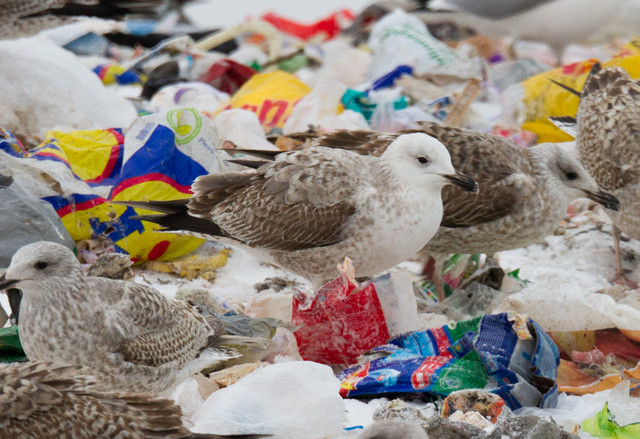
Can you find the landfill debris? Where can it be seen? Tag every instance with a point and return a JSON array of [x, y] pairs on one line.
[[65, 95], [4, 317], [486, 404], [393, 428], [460, 356], [328, 27], [271, 96], [112, 266], [471, 417], [343, 319], [117, 115], [204, 98], [233, 374], [543, 99], [432, 423], [25, 218], [193, 266], [593, 361], [257, 403], [604, 425], [275, 305], [91, 167], [529, 427], [227, 75], [89, 250], [522, 426], [10, 347]]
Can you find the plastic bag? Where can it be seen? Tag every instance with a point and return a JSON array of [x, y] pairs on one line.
[[203, 97], [271, 96], [402, 39], [328, 27], [339, 323], [78, 172], [323, 101], [343, 320], [227, 75], [507, 353]]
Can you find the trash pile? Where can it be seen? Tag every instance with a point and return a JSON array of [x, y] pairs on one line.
[[530, 342]]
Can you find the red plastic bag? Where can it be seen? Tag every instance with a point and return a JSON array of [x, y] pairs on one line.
[[227, 75], [339, 323], [331, 26]]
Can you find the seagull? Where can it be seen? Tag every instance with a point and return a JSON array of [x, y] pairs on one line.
[[556, 22], [23, 18], [608, 139], [52, 400], [131, 336], [525, 191], [307, 210]]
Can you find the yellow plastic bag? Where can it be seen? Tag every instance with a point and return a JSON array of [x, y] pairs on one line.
[[271, 96], [82, 170]]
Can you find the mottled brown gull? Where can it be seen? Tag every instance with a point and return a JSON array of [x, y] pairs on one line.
[[608, 138], [130, 335], [27, 17], [49, 401], [524, 192], [307, 210]]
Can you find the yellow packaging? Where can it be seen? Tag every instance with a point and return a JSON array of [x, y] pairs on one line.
[[271, 96], [543, 99]]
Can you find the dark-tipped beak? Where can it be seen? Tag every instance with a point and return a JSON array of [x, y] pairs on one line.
[[464, 181], [604, 198], [5, 283]]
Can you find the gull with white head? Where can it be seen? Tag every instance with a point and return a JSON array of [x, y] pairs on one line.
[[525, 191], [308, 210]]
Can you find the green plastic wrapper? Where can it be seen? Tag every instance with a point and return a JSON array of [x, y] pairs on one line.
[[10, 347], [604, 426]]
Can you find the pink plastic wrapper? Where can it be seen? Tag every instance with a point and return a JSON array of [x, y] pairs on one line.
[[339, 323]]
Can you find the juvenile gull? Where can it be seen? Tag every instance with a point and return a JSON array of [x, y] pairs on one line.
[[49, 401], [130, 335], [608, 138], [22, 18], [556, 22], [309, 209], [524, 192]]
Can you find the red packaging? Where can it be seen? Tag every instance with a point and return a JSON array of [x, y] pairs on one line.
[[227, 75], [339, 323]]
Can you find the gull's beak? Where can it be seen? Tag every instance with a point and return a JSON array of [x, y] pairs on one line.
[[604, 198], [5, 283], [464, 181]]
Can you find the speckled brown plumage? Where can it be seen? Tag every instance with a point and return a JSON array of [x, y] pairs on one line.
[[609, 130], [132, 337], [306, 210], [20, 18], [523, 194], [608, 127], [48, 400]]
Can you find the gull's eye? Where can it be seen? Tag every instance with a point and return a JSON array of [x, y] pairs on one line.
[[571, 175], [423, 160], [40, 265]]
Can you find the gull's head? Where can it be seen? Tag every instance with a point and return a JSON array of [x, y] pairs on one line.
[[37, 262], [419, 159], [569, 176]]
